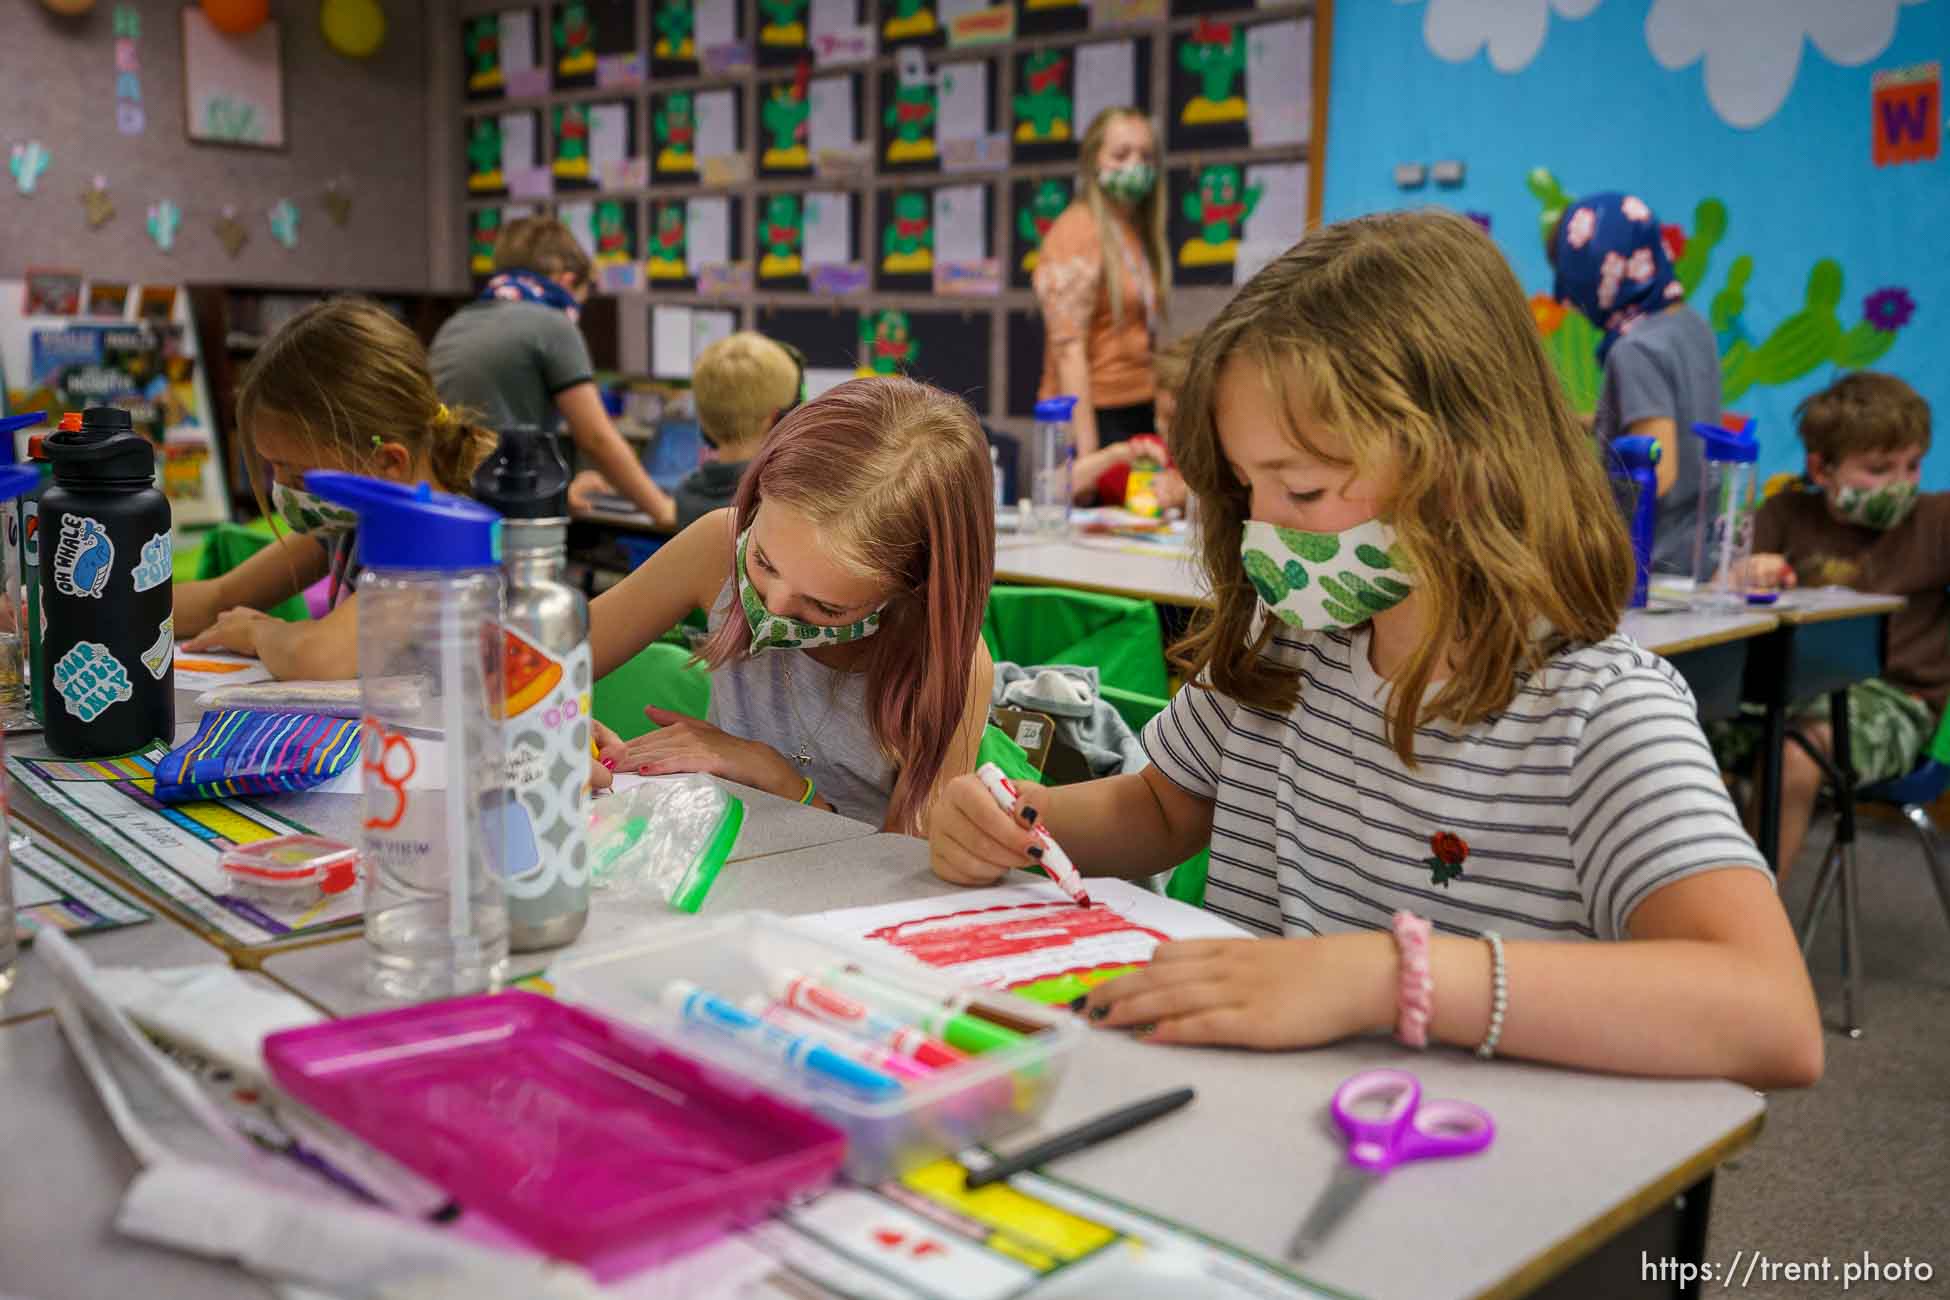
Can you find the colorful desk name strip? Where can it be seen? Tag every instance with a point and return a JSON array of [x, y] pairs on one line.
[[51, 888], [244, 752]]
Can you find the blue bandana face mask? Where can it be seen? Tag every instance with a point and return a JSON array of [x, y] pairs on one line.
[[526, 286]]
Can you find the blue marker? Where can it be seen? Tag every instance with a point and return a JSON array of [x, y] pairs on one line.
[[800, 1053]]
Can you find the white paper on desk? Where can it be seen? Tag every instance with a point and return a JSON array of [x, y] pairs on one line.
[[715, 23], [609, 135], [201, 670], [707, 232], [708, 325], [830, 113], [960, 223], [717, 125], [670, 342], [1277, 222], [1279, 82], [221, 1013], [1106, 77], [579, 215], [517, 40], [1038, 933], [828, 222], [962, 110], [517, 142]]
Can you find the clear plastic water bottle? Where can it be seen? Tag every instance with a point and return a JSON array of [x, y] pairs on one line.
[[1055, 456], [430, 613], [995, 475], [1723, 537], [14, 480]]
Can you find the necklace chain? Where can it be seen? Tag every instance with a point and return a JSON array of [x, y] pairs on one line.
[[803, 755]]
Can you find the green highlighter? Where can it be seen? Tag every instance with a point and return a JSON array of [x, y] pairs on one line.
[[947, 1021]]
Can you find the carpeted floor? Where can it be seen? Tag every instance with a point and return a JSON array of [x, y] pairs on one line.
[[1860, 1162]]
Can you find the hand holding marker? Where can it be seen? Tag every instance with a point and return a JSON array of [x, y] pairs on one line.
[[1054, 859]]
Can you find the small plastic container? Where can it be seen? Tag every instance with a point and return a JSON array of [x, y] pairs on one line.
[[577, 1134], [736, 958], [291, 870]]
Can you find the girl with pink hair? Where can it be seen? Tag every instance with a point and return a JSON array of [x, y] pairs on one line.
[[845, 587]]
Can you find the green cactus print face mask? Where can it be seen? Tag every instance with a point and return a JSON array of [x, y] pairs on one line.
[[1314, 581], [770, 632], [1880, 508]]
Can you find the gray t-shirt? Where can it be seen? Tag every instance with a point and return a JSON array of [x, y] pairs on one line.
[[1666, 367], [711, 486], [508, 360]]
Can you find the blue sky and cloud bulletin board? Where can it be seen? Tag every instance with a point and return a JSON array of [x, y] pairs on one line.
[[1791, 146]]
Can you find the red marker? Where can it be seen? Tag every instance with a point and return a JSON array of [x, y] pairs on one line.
[[802, 994], [1054, 860], [905, 1068]]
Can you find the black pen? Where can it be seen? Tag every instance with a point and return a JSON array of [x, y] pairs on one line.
[[1083, 1135]]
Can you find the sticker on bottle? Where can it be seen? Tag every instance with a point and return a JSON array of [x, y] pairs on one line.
[[30, 527], [91, 680], [83, 558], [157, 657], [153, 569], [545, 735]]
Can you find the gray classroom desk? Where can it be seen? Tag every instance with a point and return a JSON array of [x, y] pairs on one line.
[[1105, 564], [1709, 650]]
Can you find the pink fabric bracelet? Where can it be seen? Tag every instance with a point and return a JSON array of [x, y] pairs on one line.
[[1415, 1003]]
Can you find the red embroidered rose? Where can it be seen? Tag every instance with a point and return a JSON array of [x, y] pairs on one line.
[[1449, 852]]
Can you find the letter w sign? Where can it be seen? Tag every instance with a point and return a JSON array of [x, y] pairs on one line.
[[1907, 104]]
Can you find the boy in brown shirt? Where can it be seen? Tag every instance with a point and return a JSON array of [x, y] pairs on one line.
[[1860, 522]]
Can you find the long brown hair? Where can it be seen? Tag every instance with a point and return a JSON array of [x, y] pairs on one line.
[[895, 475], [347, 373], [1149, 215], [1407, 333]]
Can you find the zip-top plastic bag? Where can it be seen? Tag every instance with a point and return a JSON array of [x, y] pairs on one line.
[[666, 836]]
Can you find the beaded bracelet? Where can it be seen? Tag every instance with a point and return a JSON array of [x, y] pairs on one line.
[[1415, 1003], [1499, 995]]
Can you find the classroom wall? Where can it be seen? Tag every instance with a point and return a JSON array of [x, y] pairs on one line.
[[363, 122], [1575, 86]]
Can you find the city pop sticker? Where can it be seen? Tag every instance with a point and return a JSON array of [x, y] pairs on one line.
[[153, 569], [83, 558]]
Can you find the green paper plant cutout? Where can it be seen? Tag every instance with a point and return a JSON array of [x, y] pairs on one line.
[[1215, 54], [484, 146], [1045, 105], [911, 231], [784, 116], [574, 38], [779, 229], [1220, 205], [888, 341]]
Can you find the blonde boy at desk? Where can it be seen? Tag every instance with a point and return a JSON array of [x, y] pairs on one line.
[[1858, 520]]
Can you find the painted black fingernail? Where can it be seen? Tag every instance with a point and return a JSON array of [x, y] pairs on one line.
[[1036, 852], [1079, 1002], [1098, 1013], [1144, 1031], [1029, 814]]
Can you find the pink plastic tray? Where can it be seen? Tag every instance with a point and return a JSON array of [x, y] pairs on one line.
[[576, 1134]]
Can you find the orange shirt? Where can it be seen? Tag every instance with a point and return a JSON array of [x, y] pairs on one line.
[[1073, 288]]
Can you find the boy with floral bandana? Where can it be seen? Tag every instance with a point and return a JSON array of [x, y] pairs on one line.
[[1859, 521]]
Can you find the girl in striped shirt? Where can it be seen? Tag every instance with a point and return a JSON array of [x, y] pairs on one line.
[[1412, 729]]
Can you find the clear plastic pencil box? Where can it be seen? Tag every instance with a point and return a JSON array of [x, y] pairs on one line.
[[736, 957]]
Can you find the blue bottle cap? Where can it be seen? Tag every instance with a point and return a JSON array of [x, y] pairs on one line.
[[1736, 445], [1051, 409], [403, 527], [1636, 451], [16, 479]]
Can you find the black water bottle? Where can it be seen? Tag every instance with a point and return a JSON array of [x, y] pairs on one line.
[[106, 592]]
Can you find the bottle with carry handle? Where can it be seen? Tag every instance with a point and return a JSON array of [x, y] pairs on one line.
[[1723, 537]]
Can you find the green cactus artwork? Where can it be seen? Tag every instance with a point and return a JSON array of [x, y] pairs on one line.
[[783, 22], [910, 18], [1215, 53], [674, 25], [484, 155], [1792, 349], [907, 245], [575, 41], [784, 119], [612, 234], [1218, 207], [887, 343], [780, 230], [572, 141], [667, 244], [483, 41], [676, 131], [1034, 221], [1043, 109], [911, 118], [483, 233]]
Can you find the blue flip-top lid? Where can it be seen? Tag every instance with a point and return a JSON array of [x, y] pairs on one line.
[[1636, 451], [1055, 408], [16, 479], [403, 527], [1736, 445], [11, 425]]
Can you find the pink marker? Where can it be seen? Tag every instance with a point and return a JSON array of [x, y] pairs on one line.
[[821, 1003], [797, 1022], [1054, 860]]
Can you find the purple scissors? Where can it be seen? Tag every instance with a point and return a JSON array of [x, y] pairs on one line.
[[1387, 1124]]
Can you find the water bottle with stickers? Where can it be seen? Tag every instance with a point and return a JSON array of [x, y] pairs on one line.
[[430, 614], [547, 682], [106, 591]]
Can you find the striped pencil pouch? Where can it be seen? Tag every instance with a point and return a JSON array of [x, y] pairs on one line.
[[245, 752]]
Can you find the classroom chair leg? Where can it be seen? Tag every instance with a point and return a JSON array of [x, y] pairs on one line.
[[1818, 900], [1919, 818], [1851, 946]]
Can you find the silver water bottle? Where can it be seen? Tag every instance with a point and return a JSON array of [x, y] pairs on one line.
[[546, 674]]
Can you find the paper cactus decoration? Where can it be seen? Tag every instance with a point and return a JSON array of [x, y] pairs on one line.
[[29, 160], [165, 219], [1215, 53], [284, 222]]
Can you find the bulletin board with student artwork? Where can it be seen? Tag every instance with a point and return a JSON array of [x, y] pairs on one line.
[[596, 43], [784, 32], [484, 227], [1226, 219], [596, 146], [922, 120], [1237, 85], [697, 136], [1061, 89], [811, 241], [925, 234], [607, 230], [503, 55], [692, 239], [949, 349], [812, 125], [504, 156], [910, 22], [1034, 205], [690, 38]]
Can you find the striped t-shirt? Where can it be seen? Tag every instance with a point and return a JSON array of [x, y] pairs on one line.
[[1591, 790]]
